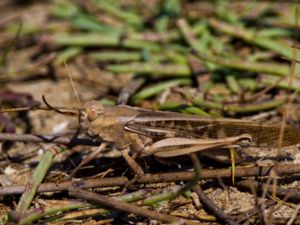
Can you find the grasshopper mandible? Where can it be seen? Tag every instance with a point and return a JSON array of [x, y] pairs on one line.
[[168, 134]]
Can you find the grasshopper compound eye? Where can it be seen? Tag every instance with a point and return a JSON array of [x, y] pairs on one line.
[[92, 114], [93, 109]]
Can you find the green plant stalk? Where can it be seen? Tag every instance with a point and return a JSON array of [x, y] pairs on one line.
[[195, 110], [99, 40], [67, 54], [286, 22], [174, 106], [127, 17], [166, 194], [153, 90], [131, 197], [267, 68], [260, 56], [120, 56], [284, 84], [171, 35], [37, 178], [134, 196], [206, 42], [142, 55], [274, 32], [176, 57], [253, 37], [127, 56], [179, 107], [207, 104], [80, 19], [65, 9], [232, 84], [37, 214], [153, 69], [249, 108], [178, 48], [191, 39], [85, 22], [250, 84], [189, 35], [164, 37], [161, 24]]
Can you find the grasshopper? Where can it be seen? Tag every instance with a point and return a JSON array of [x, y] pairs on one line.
[[139, 132], [168, 134]]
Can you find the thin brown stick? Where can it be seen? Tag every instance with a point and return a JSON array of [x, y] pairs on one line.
[[254, 211], [89, 158], [62, 186], [129, 89], [123, 206], [218, 212], [281, 169], [264, 91]]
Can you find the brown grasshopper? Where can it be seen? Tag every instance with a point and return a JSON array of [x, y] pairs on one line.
[[168, 134], [141, 132]]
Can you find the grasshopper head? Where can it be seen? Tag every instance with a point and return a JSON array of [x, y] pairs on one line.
[[92, 110]]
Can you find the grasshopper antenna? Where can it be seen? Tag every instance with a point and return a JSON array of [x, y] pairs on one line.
[[34, 107], [50, 107], [72, 84], [76, 94]]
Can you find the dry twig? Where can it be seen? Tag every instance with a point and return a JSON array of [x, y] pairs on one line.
[[130, 208], [281, 169]]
